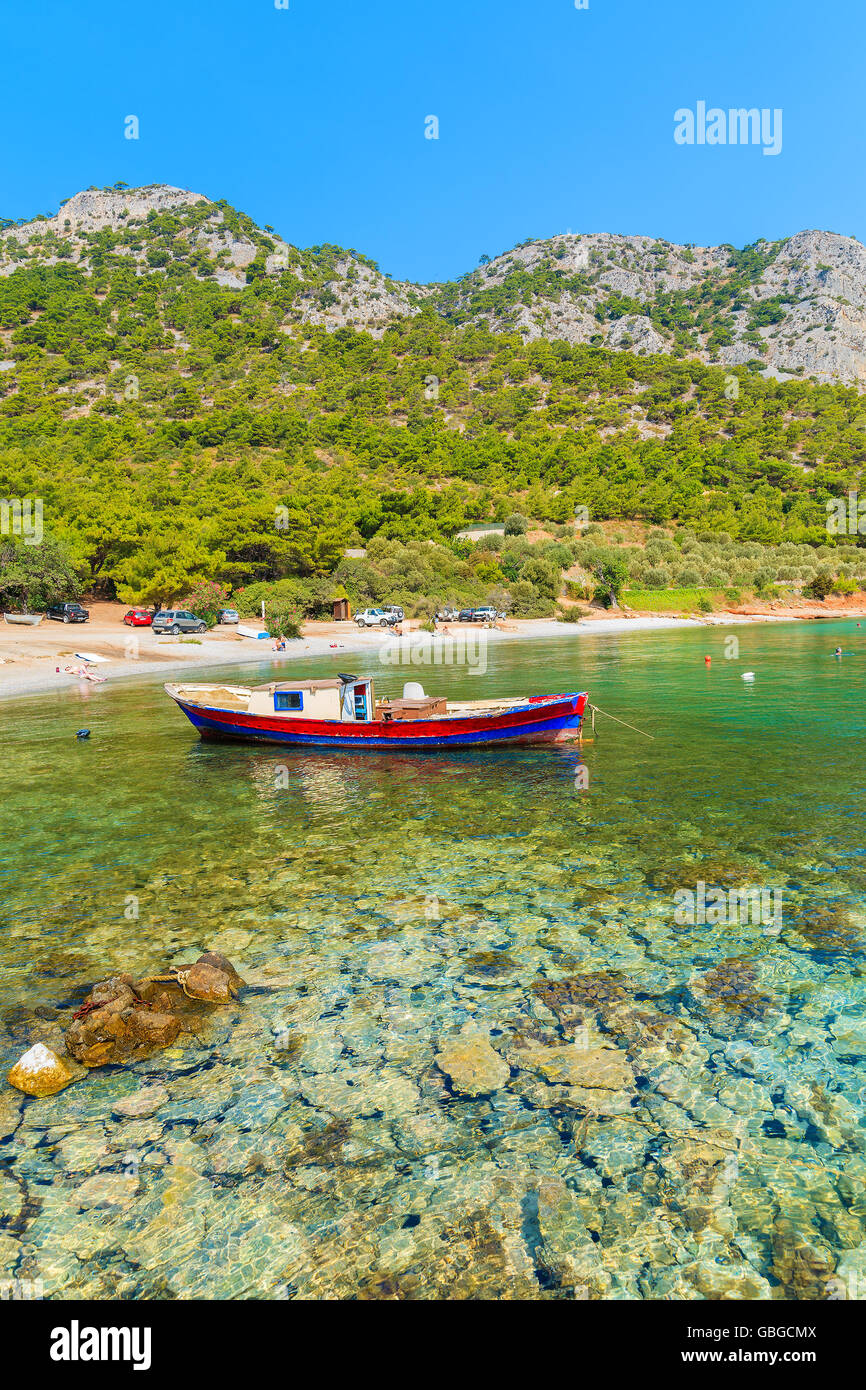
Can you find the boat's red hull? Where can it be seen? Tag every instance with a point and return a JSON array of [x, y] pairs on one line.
[[545, 719]]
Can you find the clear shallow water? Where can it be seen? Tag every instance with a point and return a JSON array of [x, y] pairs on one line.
[[308, 1144]]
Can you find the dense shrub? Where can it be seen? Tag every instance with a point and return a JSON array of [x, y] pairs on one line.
[[689, 578], [658, 578], [821, 585]]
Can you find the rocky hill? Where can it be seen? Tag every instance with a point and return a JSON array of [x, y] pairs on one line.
[[796, 307], [160, 224]]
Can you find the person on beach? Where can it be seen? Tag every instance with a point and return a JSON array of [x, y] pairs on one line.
[[84, 675]]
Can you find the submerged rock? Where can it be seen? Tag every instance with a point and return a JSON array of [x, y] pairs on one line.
[[595, 991], [731, 987], [605, 1067], [801, 1266], [614, 1147], [105, 1190], [723, 1282], [141, 1104], [40, 1072], [472, 1065]]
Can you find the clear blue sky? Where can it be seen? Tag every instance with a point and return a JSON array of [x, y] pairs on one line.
[[551, 118]]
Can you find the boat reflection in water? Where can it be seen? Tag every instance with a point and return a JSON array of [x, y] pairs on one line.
[[324, 778]]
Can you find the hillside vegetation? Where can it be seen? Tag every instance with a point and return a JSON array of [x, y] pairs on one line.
[[180, 427]]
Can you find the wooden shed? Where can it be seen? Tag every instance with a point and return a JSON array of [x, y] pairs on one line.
[[341, 610]]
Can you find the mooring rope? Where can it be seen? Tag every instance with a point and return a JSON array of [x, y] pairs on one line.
[[595, 710]]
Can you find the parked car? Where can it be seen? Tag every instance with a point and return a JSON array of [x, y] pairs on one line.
[[466, 615], [449, 614], [485, 614], [68, 613], [399, 615], [228, 615], [177, 620], [138, 617], [375, 617]]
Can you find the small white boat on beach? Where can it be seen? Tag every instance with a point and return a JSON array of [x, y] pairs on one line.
[[24, 619]]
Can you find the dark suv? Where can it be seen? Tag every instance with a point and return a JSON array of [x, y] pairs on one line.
[[68, 613], [177, 620]]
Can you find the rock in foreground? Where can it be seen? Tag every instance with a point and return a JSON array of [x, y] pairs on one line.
[[40, 1072]]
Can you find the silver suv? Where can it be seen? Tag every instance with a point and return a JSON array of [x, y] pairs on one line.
[[177, 620]]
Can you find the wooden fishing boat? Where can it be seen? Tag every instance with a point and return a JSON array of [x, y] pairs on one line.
[[343, 712], [24, 619]]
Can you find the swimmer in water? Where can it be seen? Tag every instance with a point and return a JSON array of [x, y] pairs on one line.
[[838, 651]]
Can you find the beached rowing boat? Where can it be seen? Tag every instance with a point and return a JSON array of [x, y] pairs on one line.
[[343, 712], [24, 619]]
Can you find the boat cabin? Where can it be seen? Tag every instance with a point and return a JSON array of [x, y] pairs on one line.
[[316, 699]]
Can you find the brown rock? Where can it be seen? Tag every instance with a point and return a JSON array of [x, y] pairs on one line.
[[206, 982], [164, 996], [106, 1035], [222, 963], [152, 1030], [123, 1020], [117, 993]]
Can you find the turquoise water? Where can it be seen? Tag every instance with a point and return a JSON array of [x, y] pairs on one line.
[[308, 1143]]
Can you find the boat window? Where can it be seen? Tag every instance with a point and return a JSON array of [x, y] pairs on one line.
[[360, 702], [288, 699]]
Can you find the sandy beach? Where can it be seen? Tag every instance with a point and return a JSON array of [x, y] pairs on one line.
[[32, 659]]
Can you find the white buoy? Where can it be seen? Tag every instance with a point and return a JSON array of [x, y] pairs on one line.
[[748, 675]]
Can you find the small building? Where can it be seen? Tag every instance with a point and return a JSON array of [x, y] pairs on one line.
[[342, 612]]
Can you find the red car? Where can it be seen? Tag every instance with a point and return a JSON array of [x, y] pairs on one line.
[[138, 617]]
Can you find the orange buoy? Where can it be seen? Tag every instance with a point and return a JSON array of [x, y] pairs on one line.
[[708, 660]]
